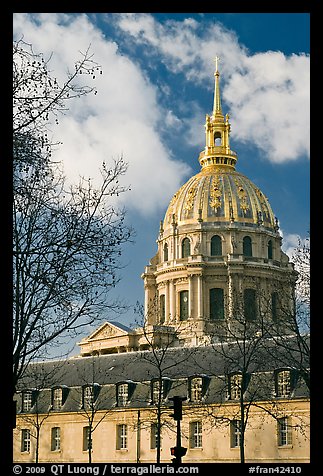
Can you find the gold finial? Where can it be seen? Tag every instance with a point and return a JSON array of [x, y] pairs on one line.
[[217, 110]]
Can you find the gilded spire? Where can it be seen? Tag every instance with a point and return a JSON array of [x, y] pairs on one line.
[[217, 109], [217, 150]]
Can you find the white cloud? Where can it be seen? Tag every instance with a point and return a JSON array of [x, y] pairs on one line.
[[122, 119], [267, 94], [290, 242]]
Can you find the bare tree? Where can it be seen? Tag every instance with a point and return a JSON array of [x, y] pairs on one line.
[[291, 329], [245, 352], [93, 398], [159, 339], [33, 406], [67, 239]]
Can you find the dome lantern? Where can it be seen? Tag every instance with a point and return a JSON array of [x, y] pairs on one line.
[[217, 130]]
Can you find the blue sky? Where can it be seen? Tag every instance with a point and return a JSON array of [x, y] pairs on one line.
[[157, 86]]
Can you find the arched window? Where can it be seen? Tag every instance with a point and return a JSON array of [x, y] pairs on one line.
[[217, 138], [186, 248], [270, 249], [165, 252], [216, 303], [250, 305], [247, 246], [216, 246]]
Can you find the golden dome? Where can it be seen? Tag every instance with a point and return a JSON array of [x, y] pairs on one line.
[[221, 195]]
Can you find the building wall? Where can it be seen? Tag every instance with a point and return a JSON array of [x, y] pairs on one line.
[[261, 441]]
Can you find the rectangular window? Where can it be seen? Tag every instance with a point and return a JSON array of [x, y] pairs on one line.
[[162, 308], [284, 432], [154, 436], [86, 438], [250, 307], [283, 382], [121, 437], [56, 439], [25, 440], [122, 394], [57, 398], [274, 306], [196, 434], [27, 400], [183, 305], [235, 433], [216, 303]]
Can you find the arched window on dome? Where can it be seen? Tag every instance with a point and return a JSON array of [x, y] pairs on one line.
[[186, 248], [247, 246], [270, 249], [216, 246], [165, 252]]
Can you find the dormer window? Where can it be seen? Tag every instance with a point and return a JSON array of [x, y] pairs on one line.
[[234, 386], [197, 386], [283, 383], [59, 395], [28, 400], [159, 390], [237, 385], [124, 393], [57, 398], [90, 395]]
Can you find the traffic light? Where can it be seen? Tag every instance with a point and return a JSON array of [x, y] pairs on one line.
[[177, 407], [178, 451]]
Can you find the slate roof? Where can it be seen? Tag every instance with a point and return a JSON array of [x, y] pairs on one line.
[[178, 365]]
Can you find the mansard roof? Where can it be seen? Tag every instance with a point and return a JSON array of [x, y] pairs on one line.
[[176, 363]]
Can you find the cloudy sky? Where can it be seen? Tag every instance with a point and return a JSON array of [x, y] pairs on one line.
[[157, 86]]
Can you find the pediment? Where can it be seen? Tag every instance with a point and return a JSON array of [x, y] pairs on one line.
[[109, 330]]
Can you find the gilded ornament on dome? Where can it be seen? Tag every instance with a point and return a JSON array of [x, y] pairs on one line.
[[242, 194], [190, 198], [215, 193]]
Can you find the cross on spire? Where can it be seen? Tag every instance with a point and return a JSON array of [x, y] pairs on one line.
[[216, 59]]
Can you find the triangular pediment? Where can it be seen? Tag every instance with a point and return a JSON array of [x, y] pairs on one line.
[[109, 330]]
